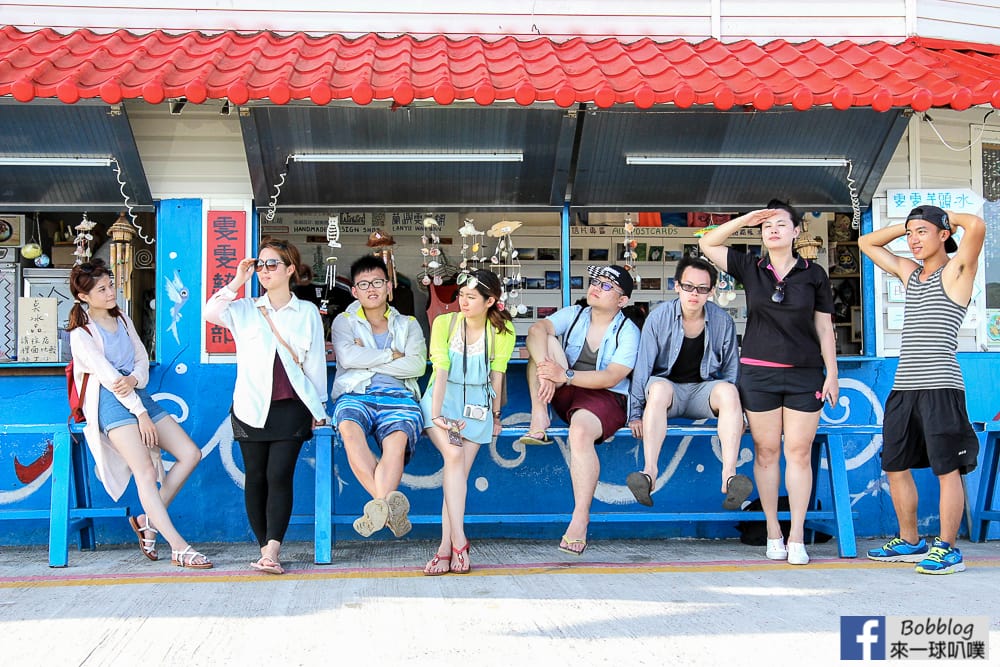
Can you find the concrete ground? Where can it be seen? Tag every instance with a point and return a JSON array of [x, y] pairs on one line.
[[649, 602]]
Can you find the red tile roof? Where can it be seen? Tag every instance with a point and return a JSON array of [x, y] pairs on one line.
[[243, 67]]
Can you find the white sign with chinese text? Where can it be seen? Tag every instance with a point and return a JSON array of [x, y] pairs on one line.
[[37, 329], [899, 203]]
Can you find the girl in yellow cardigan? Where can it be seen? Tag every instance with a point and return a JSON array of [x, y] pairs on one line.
[[469, 351]]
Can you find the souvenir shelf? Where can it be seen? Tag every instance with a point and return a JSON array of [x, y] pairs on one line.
[[845, 279]]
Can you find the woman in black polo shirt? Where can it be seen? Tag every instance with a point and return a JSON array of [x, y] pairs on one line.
[[787, 344]]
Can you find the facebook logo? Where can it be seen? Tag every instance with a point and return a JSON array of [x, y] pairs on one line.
[[862, 637]]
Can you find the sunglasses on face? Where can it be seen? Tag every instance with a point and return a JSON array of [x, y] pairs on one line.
[[779, 292], [605, 287], [378, 283], [700, 289], [269, 264]]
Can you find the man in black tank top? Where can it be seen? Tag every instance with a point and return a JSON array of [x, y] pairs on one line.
[[926, 423]]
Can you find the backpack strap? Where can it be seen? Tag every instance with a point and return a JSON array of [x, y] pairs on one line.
[[573, 324]]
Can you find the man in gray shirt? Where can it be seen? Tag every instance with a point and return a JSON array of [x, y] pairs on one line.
[[687, 365]]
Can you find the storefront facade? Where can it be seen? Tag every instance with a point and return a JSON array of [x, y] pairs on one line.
[[569, 119]]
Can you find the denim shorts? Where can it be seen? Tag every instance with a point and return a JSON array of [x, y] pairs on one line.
[[112, 414]]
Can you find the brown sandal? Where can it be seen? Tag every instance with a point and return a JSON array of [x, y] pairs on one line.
[[147, 545], [190, 558]]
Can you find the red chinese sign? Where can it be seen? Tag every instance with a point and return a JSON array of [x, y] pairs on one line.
[[225, 245]]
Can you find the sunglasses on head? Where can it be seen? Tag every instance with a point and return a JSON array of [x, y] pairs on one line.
[[779, 292], [605, 286], [270, 264], [700, 289], [467, 279], [378, 283]]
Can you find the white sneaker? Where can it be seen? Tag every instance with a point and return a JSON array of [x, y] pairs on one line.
[[797, 554], [776, 549]]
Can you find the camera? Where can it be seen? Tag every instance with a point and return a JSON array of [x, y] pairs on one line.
[[477, 412]]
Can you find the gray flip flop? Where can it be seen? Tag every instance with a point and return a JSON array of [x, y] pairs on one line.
[[738, 489], [641, 486]]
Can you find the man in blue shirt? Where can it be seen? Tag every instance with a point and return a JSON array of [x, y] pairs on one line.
[[687, 365], [584, 375]]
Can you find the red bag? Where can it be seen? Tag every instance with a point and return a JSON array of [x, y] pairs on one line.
[[76, 400]]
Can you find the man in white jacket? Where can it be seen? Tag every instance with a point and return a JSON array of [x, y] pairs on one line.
[[380, 356]]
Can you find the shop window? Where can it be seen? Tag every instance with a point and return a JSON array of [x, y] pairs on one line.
[[663, 238], [35, 264]]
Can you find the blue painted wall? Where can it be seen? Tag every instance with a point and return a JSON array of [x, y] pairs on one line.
[[210, 507]]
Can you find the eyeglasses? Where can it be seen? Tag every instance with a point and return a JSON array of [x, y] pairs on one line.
[[271, 264], [779, 292], [378, 283], [605, 287], [700, 289]]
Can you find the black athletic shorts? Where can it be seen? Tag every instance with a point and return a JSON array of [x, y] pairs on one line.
[[928, 428], [766, 388]]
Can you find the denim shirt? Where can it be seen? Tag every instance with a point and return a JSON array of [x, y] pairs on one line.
[[622, 352], [660, 345]]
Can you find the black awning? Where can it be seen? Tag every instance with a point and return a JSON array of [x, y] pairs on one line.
[[732, 161], [423, 157], [56, 156]]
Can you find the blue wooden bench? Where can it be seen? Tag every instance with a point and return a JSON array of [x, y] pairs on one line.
[[837, 521], [984, 512], [70, 508]]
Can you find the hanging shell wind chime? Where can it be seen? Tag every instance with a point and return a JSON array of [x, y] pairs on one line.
[[629, 253], [505, 263], [472, 246], [333, 242], [83, 239], [432, 266]]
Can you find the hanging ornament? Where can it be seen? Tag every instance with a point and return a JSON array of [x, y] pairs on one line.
[[330, 262], [83, 239], [33, 249], [629, 245], [725, 290], [382, 244], [122, 233], [504, 263], [429, 247]]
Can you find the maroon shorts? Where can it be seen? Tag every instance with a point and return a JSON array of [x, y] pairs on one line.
[[606, 405]]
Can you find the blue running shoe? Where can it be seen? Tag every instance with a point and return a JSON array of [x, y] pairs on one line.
[[898, 550], [943, 559]]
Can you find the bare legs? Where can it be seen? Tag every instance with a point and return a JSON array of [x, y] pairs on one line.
[[659, 398], [457, 464], [540, 409], [904, 501], [379, 477], [799, 431], [584, 469], [725, 404], [171, 438]]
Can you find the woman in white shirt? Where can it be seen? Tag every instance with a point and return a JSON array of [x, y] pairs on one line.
[[126, 428], [280, 386]]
